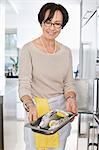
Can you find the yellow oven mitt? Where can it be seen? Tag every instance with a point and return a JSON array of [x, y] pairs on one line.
[[45, 141]]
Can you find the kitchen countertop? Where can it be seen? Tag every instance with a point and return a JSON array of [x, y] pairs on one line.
[[2, 86]]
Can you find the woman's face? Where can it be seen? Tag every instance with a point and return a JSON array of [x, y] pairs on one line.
[[51, 29]]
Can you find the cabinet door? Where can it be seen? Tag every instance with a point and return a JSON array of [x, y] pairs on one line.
[[97, 60], [10, 120], [88, 8], [98, 30], [89, 48]]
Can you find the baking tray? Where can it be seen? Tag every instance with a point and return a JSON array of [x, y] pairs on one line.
[[35, 125]]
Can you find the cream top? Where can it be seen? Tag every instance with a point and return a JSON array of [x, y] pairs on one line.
[[44, 75]]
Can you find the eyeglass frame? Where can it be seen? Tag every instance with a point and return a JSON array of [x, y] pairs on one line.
[[61, 26]]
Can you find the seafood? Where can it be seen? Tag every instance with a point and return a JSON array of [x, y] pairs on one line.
[[53, 119]]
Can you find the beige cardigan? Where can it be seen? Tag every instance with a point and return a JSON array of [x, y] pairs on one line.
[[44, 75]]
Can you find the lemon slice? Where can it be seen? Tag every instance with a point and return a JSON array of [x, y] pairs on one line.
[[52, 123], [61, 114]]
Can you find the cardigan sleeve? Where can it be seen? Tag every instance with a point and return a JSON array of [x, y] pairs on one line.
[[25, 72]]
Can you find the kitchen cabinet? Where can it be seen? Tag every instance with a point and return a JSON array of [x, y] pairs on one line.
[[88, 5], [93, 134], [88, 41], [96, 117], [97, 60], [88, 9], [9, 115], [89, 49], [13, 96]]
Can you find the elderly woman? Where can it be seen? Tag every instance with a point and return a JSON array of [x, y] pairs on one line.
[[45, 72]]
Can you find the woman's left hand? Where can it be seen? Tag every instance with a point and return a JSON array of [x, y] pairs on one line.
[[71, 106]]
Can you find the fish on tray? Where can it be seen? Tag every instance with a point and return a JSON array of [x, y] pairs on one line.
[[51, 122], [53, 119]]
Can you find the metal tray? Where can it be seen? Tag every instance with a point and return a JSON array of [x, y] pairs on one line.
[[47, 131]]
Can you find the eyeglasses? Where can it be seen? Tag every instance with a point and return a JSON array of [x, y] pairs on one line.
[[56, 25]]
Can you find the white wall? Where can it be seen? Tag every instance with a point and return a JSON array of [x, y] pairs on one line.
[[28, 27]]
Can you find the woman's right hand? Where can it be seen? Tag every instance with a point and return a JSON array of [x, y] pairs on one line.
[[32, 116]]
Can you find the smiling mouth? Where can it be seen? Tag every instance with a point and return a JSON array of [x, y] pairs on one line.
[[51, 33]]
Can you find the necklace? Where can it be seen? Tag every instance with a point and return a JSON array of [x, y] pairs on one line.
[[46, 49]]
